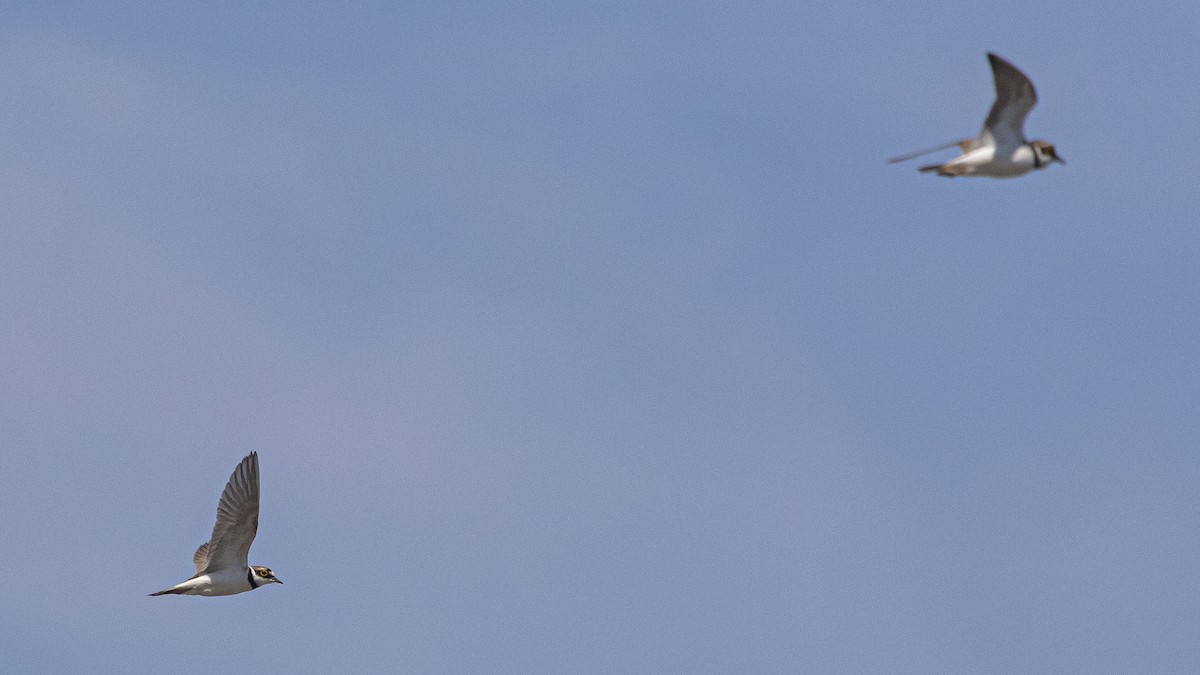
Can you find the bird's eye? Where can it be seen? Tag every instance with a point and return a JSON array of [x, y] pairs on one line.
[[264, 573]]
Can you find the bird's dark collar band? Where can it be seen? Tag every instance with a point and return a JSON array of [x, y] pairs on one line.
[[1037, 161], [250, 578]]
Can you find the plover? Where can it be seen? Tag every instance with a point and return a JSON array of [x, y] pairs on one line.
[[1000, 150], [221, 567]]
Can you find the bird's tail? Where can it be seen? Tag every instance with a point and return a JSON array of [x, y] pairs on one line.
[[170, 591]]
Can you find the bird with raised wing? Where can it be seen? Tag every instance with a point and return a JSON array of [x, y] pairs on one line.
[[221, 562], [1000, 150]]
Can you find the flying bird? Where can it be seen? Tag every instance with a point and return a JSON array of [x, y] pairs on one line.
[[1000, 150], [221, 567]]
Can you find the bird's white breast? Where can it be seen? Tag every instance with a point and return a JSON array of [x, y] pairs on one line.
[[998, 163], [220, 582]]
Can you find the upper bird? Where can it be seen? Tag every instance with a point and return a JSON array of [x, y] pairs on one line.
[[221, 567], [1000, 150]]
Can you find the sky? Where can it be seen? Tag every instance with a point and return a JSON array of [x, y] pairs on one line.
[[598, 339]]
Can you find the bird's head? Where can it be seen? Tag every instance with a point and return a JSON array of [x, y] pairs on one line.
[[1045, 153], [264, 575]]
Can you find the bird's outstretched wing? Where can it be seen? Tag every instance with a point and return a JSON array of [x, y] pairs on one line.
[[237, 519], [1015, 97], [963, 145]]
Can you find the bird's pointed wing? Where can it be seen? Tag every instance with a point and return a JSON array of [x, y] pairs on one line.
[[1015, 97], [201, 557], [963, 145], [237, 518]]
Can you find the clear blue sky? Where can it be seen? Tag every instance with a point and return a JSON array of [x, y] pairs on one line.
[[599, 340]]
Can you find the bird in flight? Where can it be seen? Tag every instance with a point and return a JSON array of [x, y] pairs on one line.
[[221, 567], [1000, 150]]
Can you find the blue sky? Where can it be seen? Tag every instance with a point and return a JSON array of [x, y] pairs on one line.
[[598, 339]]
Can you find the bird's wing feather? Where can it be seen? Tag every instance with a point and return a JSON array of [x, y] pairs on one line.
[[237, 518], [962, 144], [201, 557], [1015, 97]]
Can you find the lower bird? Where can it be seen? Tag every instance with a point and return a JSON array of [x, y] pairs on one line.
[[1000, 150], [221, 563]]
